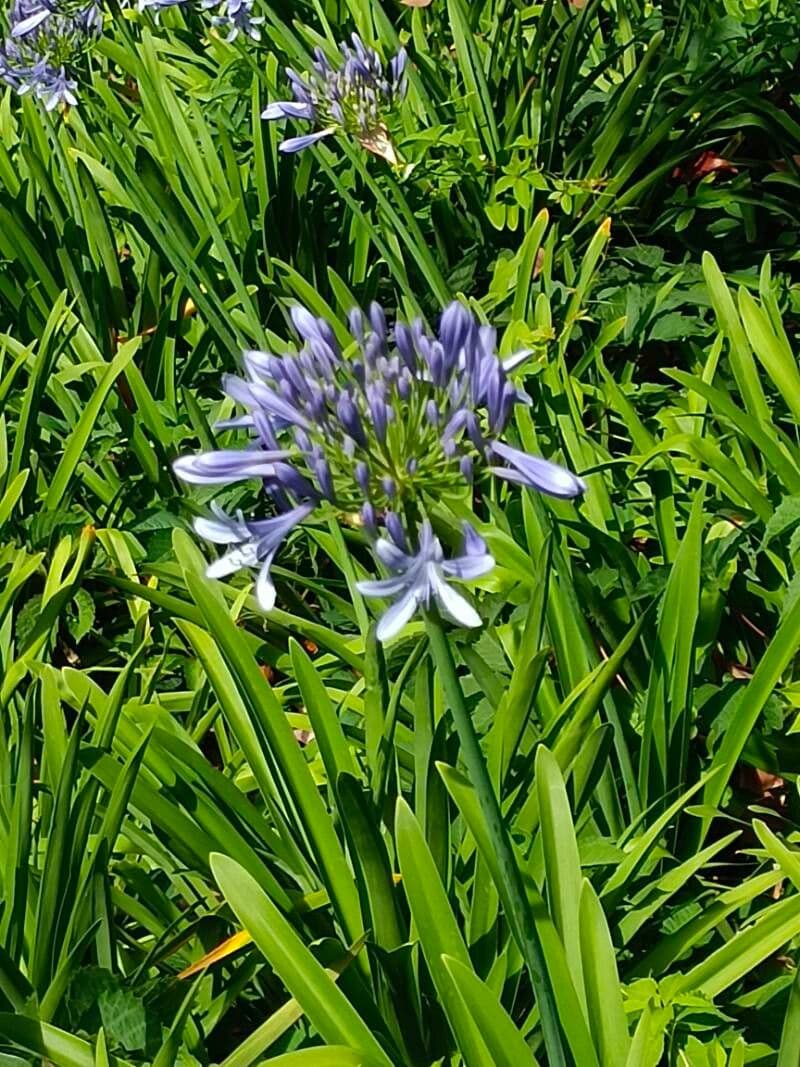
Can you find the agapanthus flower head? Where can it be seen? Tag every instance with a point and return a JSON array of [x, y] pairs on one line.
[[353, 95], [234, 17], [231, 17], [384, 426], [45, 39]]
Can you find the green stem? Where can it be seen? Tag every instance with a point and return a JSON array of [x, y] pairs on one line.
[[519, 912]]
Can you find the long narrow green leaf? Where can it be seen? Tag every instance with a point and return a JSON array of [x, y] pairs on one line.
[[329, 1011]]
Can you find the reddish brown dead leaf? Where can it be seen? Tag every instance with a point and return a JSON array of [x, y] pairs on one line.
[[760, 783], [704, 164]]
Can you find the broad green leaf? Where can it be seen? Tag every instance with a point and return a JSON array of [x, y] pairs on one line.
[[327, 1008], [605, 1008], [506, 1044], [561, 860], [438, 931]]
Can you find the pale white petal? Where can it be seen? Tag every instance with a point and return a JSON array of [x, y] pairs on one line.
[[466, 568], [518, 358], [223, 531], [384, 587], [265, 590], [453, 604], [388, 553], [393, 620], [242, 556]]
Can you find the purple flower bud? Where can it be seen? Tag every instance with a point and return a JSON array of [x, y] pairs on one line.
[[362, 477], [449, 447], [369, 519], [288, 392], [388, 486], [294, 482], [378, 320], [259, 364], [435, 361], [373, 347], [394, 528], [378, 412], [509, 399], [474, 431], [405, 345], [355, 319], [397, 67], [227, 465], [349, 418], [455, 326], [287, 109], [455, 424], [432, 412], [302, 440], [466, 468], [404, 386], [303, 363], [304, 323], [297, 144], [412, 465], [322, 471], [493, 393]]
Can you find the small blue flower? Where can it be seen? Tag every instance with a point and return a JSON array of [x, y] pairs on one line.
[[235, 17], [353, 96], [251, 545], [420, 580]]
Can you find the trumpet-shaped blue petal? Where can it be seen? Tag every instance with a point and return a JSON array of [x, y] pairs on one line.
[[536, 473], [297, 144], [287, 109], [226, 466]]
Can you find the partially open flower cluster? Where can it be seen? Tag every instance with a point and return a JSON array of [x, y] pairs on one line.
[[45, 37], [396, 421], [353, 97], [231, 17]]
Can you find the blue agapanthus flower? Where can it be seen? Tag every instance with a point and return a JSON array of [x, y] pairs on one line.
[[419, 579], [231, 17], [353, 96], [45, 38], [384, 428]]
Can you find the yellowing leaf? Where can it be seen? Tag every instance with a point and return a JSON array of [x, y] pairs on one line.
[[227, 948]]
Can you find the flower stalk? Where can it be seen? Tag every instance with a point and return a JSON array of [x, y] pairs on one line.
[[512, 889]]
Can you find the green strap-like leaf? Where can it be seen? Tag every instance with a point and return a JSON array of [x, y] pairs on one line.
[[328, 1009]]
